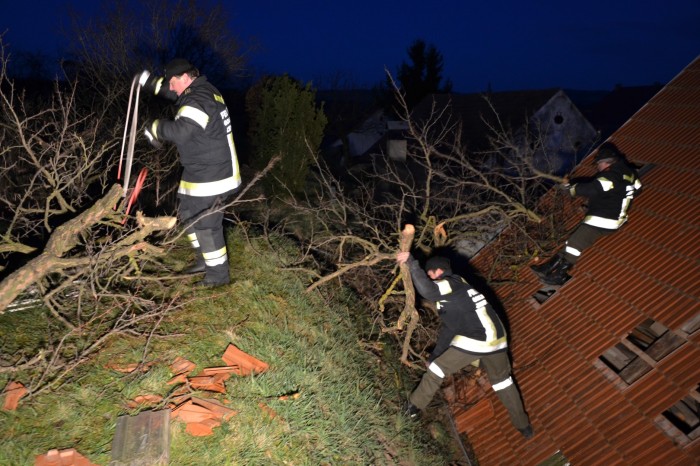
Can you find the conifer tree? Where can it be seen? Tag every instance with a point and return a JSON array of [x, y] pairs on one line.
[[422, 76], [285, 122]]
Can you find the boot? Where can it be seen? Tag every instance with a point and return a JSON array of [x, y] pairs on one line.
[[411, 411], [209, 283], [558, 275], [544, 269], [528, 432]]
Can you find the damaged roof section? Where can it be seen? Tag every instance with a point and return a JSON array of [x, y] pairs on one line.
[[609, 365]]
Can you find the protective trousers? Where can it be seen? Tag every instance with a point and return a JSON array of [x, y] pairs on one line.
[[497, 366], [202, 218], [583, 237]]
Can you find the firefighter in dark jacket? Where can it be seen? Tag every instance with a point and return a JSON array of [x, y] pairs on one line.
[[201, 130], [609, 196], [470, 331]]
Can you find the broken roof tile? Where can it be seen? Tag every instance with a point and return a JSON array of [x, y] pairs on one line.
[[245, 363], [190, 412], [144, 400], [68, 457], [220, 411], [13, 392], [181, 366], [199, 429], [212, 383]]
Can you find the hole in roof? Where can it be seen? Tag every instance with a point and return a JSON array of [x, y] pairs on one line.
[[625, 363], [647, 344], [543, 294], [684, 415], [654, 339]]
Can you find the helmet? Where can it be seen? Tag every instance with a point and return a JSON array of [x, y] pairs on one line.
[[608, 151], [439, 262], [176, 67]]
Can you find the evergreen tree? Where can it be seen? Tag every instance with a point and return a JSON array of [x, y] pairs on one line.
[[285, 122], [422, 76]]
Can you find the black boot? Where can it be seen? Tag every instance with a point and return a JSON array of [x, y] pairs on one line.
[[558, 275], [544, 269], [411, 411], [209, 283], [528, 432]]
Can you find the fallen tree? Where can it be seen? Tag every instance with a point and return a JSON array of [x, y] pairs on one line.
[[451, 196], [55, 258]]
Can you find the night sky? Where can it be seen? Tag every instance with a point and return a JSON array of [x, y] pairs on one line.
[[507, 45]]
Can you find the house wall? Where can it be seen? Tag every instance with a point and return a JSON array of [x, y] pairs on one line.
[[367, 135], [567, 135]]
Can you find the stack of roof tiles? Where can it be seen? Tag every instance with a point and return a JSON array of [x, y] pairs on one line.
[[203, 415]]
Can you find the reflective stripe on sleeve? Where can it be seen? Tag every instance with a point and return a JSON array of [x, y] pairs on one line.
[[501, 385], [193, 114], [606, 184], [444, 287], [573, 251], [435, 369], [234, 158], [159, 85], [193, 240], [154, 128]]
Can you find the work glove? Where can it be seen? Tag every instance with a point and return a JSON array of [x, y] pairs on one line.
[[150, 84], [151, 132], [143, 77]]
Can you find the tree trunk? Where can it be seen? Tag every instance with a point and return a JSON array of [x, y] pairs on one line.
[[409, 314], [68, 235]]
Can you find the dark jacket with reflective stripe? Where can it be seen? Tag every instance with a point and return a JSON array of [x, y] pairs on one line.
[[609, 195], [202, 132], [464, 312]]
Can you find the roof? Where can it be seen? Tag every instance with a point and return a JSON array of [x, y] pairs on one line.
[[345, 109], [648, 270], [615, 108], [512, 108]]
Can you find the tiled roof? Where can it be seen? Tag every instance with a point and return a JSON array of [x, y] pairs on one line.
[[648, 270]]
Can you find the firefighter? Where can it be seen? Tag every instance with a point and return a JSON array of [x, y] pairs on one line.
[[201, 130], [470, 331], [609, 195]]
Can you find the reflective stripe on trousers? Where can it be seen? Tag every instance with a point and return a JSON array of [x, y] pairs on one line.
[[501, 385], [215, 258], [192, 237]]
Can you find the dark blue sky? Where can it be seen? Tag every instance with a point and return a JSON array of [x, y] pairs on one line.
[[508, 45]]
